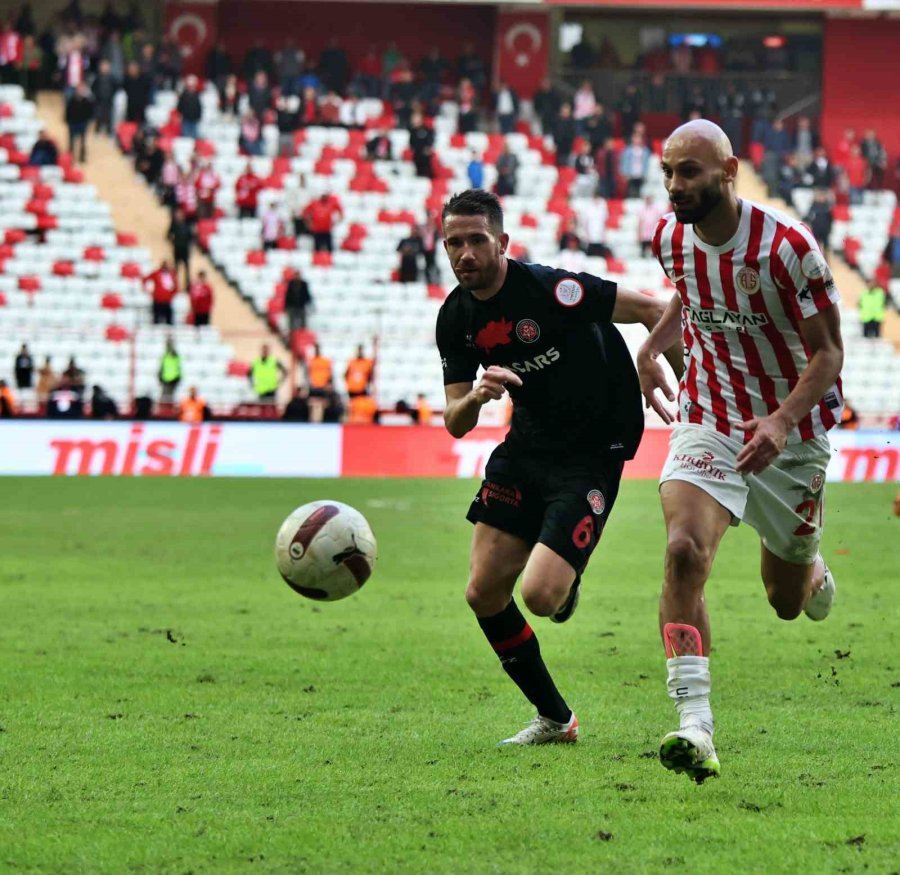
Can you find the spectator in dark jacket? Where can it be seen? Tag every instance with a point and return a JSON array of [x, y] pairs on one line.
[[820, 172], [564, 135], [102, 406], [43, 152], [547, 102], [259, 94], [333, 67], [598, 127], [820, 218], [218, 66], [138, 86], [297, 298], [257, 59], [79, 111], [104, 88], [421, 142], [190, 108], [181, 236]]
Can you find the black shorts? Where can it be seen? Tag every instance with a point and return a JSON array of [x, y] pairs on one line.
[[563, 504]]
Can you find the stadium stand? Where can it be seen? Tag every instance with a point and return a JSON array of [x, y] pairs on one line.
[[71, 285]]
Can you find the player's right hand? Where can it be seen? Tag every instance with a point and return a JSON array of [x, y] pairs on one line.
[[493, 382], [653, 377]]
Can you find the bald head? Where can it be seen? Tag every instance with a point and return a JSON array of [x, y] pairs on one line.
[[702, 139]]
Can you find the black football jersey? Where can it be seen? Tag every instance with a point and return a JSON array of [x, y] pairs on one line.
[[580, 391]]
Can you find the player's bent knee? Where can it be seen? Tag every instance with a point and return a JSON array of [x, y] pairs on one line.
[[486, 599], [689, 558], [543, 602], [787, 607]]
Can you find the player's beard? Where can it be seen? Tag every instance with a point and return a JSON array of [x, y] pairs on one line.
[[708, 198], [480, 278]]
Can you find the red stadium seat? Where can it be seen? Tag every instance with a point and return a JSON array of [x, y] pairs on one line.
[[256, 257], [130, 270], [94, 253], [63, 268], [123, 238], [288, 243], [47, 223], [29, 283], [125, 135], [13, 236], [116, 333], [529, 221], [322, 259], [238, 369], [2, 300], [111, 301]]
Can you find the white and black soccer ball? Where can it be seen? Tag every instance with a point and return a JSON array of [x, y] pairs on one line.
[[325, 550]]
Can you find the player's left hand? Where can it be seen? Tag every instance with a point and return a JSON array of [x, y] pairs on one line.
[[769, 438]]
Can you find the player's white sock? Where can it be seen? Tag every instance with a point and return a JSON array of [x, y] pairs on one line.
[[689, 685]]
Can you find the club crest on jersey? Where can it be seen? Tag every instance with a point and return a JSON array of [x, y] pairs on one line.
[[527, 330], [569, 292], [813, 265], [815, 484], [596, 501], [748, 280]]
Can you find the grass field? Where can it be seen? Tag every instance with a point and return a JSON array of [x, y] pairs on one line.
[[169, 705]]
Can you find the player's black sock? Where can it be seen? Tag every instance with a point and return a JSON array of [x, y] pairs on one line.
[[520, 654]]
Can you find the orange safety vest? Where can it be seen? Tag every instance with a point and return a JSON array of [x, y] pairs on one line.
[[363, 409], [192, 410], [424, 410], [359, 372], [319, 372]]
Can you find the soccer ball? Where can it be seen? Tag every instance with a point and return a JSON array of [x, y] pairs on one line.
[[325, 550]]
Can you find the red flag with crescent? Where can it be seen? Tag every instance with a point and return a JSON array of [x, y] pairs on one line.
[[194, 27], [523, 51]]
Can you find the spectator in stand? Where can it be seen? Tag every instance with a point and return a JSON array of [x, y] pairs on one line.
[[319, 374], [170, 371], [467, 99], [258, 59], [201, 295], [65, 401], [820, 172], [186, 195], [648, 218], [74, 376], [892, 250], [598, 127], [79, 113], [333, 66], [297, 409], [546, 102], [10, 53], [8, 407], [583, 55], [359, 374], [43, 152], [694, 102], [73, 62], [593, 217], [584, 104], [872, 306], [378, 146], [585, 174], [569, 233], [102, 405], [475, 171], [763, 105], [506, 105], [272, 226], [421, 142], [218, 66], [471, 67], [606, 166], [162, 285], [820, 218], [190, 109], [731, 113], [23, 368], [168, 64], [290, 62], [246, 192], [250, 137], [363, 410], [875, 154], [147, 61], [656, 94], [572, 258], [310, 78], [104, 89], [564, 135], [789, 177], [288, 120], [193, 409], [30, 66], [168, 180], [630, 108], [410, 248], [430, 242], [309, 107], [266, 374], [46, 381], [634, 164], [352, 113], [230, 97], [857, 173], [259, 94], [297, 299], [432, 69], [207, 184], [507, 172], [138, 87], [368, 74], [320, 216], [181, 236], [842, 150], [333, 409], [849, 417], [422, 414], [804, 141]]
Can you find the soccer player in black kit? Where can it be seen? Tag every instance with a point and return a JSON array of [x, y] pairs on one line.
[[545, 336]]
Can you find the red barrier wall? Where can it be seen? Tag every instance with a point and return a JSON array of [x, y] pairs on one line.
[[860, 75], [415, 28]]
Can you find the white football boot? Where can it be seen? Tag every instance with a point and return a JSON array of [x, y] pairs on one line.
[[543, 730], [819, 605], [690, 750]]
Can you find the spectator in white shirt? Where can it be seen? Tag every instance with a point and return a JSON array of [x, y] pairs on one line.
[[506, 104], [352, 113], [592, 220], [584, 105], [648, 218], [572, 258], [271, 227]]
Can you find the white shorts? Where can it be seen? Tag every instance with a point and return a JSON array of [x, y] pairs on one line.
[[785, 503]]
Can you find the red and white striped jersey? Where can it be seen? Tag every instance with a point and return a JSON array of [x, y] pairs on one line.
[[742, 304]]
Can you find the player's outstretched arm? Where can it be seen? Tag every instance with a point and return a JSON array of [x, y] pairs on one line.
[[464, 402], [664, 339]]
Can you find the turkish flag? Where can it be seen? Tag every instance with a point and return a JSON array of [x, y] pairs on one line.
[[523, 51], [194, 27]]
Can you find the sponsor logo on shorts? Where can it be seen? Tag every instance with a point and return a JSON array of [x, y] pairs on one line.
[[596, 501], [527, 330], [497, 492], [569, 292], [702, 466], [748, 280], [816, 482]]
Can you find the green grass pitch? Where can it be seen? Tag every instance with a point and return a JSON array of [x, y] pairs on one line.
[[169, 705]]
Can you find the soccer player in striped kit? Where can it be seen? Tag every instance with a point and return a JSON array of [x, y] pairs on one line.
[[756, 307]]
